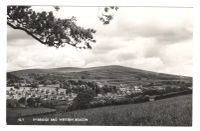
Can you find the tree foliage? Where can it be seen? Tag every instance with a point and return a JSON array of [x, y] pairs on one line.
[[106, 15], [49, 30], [52, 31], [16, 86], [83, 99]]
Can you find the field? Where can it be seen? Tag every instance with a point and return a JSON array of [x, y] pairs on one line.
[[176, 111], [13, 114]]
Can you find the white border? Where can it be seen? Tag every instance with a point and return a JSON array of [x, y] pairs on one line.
[[196, 62], [104, 2]]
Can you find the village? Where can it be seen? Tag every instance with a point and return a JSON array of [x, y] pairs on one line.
[[54, 95]]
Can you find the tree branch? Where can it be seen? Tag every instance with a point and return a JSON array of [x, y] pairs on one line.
[[46, 29], [29, 33]]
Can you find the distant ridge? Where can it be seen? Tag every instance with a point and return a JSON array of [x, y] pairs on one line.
[[111, 72]]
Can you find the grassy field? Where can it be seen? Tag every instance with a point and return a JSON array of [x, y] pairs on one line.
[[13, 114], [176, 111]]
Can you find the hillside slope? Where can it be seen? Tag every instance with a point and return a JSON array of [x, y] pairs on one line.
[[112, 73], [176, 111]]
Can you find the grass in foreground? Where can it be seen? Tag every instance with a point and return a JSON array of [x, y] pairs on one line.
[[176, 111]]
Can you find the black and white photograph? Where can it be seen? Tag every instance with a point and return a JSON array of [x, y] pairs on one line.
[[99, 65]]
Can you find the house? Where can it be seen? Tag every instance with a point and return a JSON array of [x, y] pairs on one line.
[[159, 87], [152, 98], [137, 89], [99, 95], [128, 92], [54, 86], [122, 89], [99, 84], [62, 91], [41, 85]]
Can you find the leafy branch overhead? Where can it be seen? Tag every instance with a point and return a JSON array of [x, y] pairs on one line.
[[47, 29], [106, 15], [52, 31]]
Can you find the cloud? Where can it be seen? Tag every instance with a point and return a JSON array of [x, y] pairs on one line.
[[166, 25], [162, 35], [155, 39], [14, 34]]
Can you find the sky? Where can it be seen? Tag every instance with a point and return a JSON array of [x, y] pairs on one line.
[[149, 38]]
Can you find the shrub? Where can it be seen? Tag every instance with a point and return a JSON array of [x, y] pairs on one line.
[[16, 86], [140, 99], [83, 99], [12, 103], [173, 94], [30, 102]]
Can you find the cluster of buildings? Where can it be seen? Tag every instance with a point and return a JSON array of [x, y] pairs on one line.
[[122, 91], [127, 90], [42, 93]]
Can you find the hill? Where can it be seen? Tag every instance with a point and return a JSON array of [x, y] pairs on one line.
[[113, 74]]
